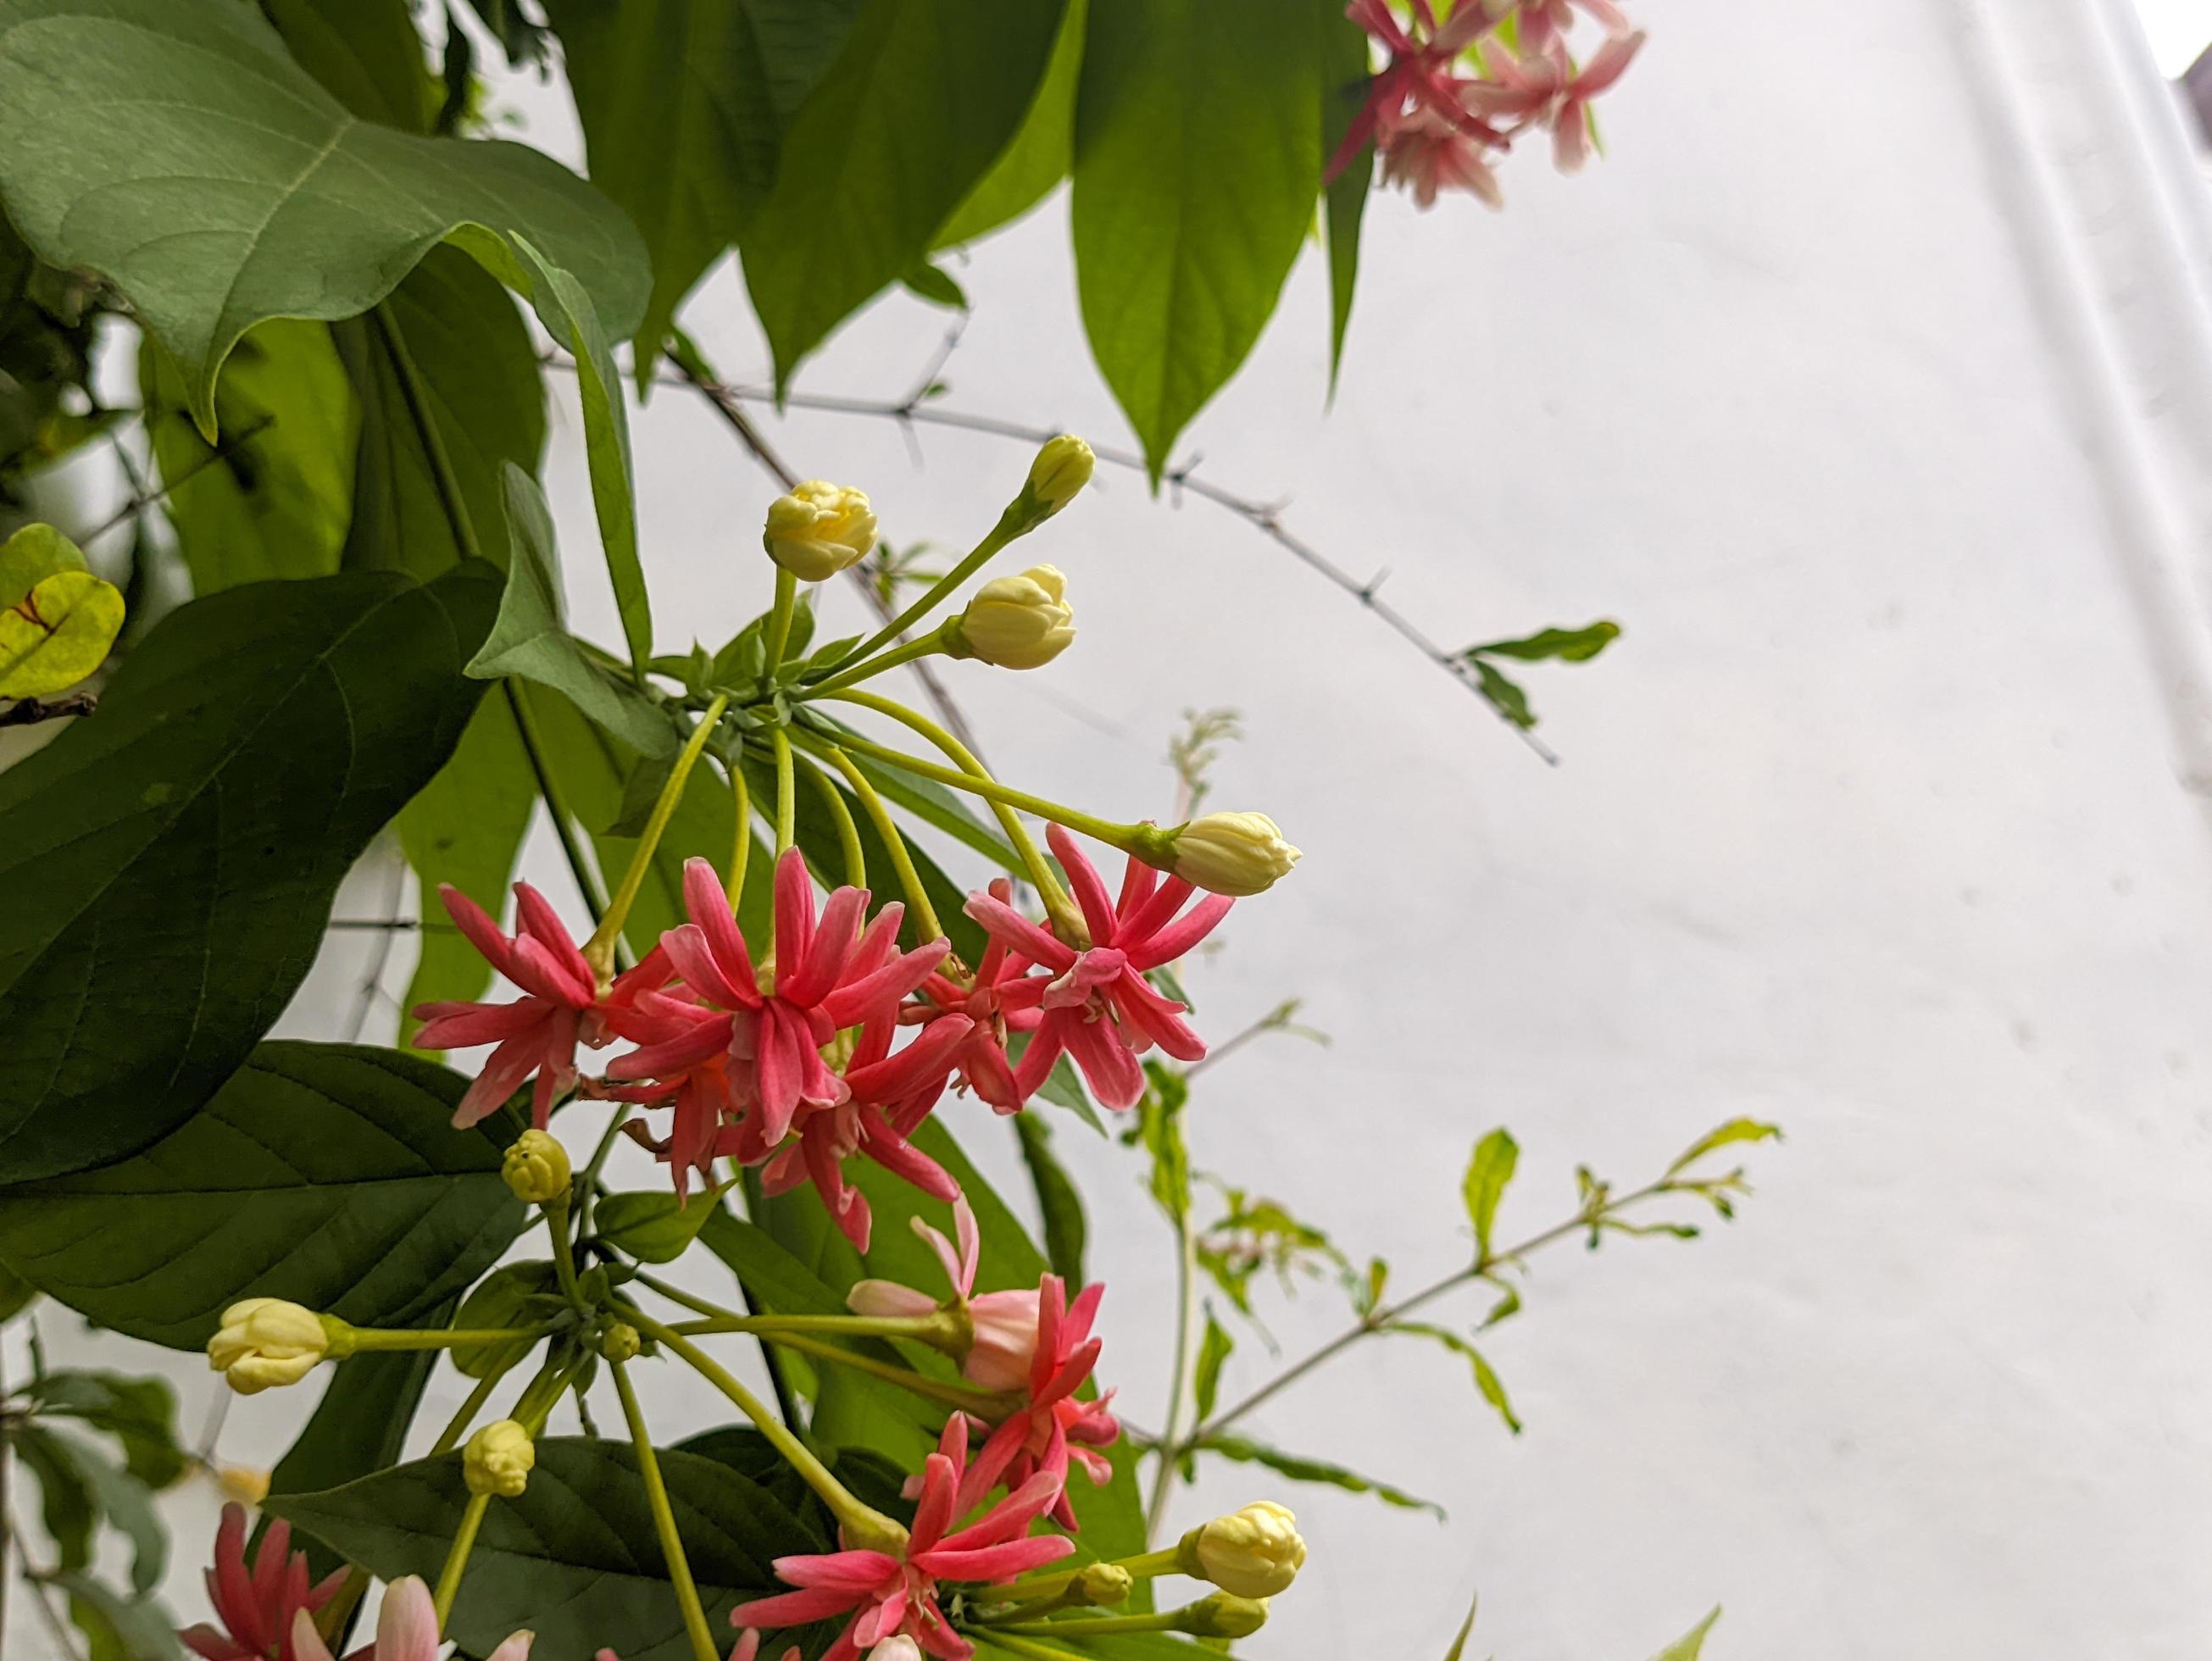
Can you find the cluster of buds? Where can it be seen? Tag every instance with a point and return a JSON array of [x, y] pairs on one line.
[[1440, 129]]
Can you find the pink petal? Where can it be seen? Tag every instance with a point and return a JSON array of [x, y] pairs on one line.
[[794, 1608], [693, 956], [856, 1000], [1089, 888], [407, 1624], [476, 923], [1178, 937], [1019, 934]]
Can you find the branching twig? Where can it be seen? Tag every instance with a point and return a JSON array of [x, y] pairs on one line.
[[142, 500], [28, 712]]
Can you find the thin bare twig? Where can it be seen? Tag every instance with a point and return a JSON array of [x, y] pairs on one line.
[[28, 712], [142, 500]]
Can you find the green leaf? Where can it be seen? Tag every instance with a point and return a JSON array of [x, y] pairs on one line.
[[532, 639], [16, 1294], [125, 1502], [449, 347], [1487, 1173], [1568, 645], [360, 1426], [140, 1413], [30, 556], [1038, 158], [1300, 1468], [575, 1558], [1466, 1631], [1197, 158], [517, 1294], [1059, 1202], [273, 501], [931, 283], [125, 150], [465, 827], [922, 100], [1486, 1381], [652, 1227], [1735, 1130], [327, 1174], [65, 1503], [1692, 1643], [684, 104], [58, 634], [1343, 199], [564, 306], [1212, 1352], [120, 1629], [161, 825], [365, 52], [1159, 1126], [1502, 694]]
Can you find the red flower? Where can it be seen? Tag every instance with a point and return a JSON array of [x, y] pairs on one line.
[[256, 1609], [1052, 1429], [891, 1596], [1002, 997]]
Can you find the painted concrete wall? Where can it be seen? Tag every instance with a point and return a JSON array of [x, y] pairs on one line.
[[1867, 383]]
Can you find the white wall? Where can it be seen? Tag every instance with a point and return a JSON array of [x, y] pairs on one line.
[[1866, 383]]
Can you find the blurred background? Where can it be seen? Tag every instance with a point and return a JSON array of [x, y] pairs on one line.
[[1867, 383]]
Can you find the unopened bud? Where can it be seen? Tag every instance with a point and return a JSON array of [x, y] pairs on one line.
[[536, 1168], [1224, 1615], [1231, 853], [263, 1342], [1061, 469], [620, 1341], [1015, 623], [1100, 1585], [499, 1459], [819, 529], [1253, 1553], [898, 1648]]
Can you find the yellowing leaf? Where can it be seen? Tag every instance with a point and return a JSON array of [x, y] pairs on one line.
[[58, 634], [34, 553]]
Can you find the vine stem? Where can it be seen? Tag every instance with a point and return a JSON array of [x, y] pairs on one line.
[[848, 834], [664, 1520], [1008, 529], [1163, 1479], [926, 927], [599, 951], [457, 1559]]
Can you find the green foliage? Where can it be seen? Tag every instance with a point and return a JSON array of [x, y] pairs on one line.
[[1486, 1381], [1343, 89], [1487, 1173], [1734, 1131], [1041, 153], [1300, 1469], [57, 620], [1159, 1129], [139, 1414], [1253, 1235], [365, 52], [575, 1558], [1692, 1643], [1505, 694], [1197, 158], [652, 1227], [121, 139], [513, 1295], [1059, 1201], [157, 825], [328, 1174], [47, 323], [921, 101], [1213, 1351]]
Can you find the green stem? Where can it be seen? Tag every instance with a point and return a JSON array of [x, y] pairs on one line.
[[779, 628], [972, 776], [1163, 1479], [982, 1402], [457, 1559], [564, 1262], [599, 951], [935, 1331], [1143, 1567], [372, 1340], [923, 647], [1017, 1645], [458, 1425], [664, 1521], [1102, 1627], [564, 823], [848, 834], [867, 1526], [601, 1154], [786, 1399], [415, 395], [741, 802], [1003, 532], [925, 926], [787, 795], [676, 1294]]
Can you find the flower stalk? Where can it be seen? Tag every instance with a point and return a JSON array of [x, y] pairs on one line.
[[599, 950], [664, 1520]]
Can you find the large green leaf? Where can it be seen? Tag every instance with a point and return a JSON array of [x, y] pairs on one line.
[[175, 147], [170, 867], [576, 1558], [1197, 158], [923, 100], [365, 52], [684, 104], [1343, 88], [328, 1174], [447, 346], [275, 501], [1038, 157]]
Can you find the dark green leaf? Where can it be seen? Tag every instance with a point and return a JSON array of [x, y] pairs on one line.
[[366, 53], [1302, 1470], [1197, 159], [1038, 157], [1568, 645], [652, 1227], [930, 282], [922, 100], [140, 1413], [276, 501], [329, 1174], [448, 346], [1343, 89], [121, 142], [1059, 1202], [532, 639], [684, 104], [120, 1629], [1502, 694], [65, 1502], [1487, 1173], [575, 1558], [16, 1294], [517, 1294], [1690, 1644], [1212, 1354], [245, 754], [123, 1500]]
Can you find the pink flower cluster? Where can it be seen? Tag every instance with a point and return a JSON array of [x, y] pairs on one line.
[[796, 1065], [1439, 129]]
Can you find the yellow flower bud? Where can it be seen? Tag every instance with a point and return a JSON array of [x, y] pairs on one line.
[[242, 1484], [1232, 853], [536, 1168], [819, 529], [1100, 1585], [1223, 1616], [266, 1341], [620, 1341], [1253, 1553], [499, 1459], [1016, 623], [1062, 468]]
